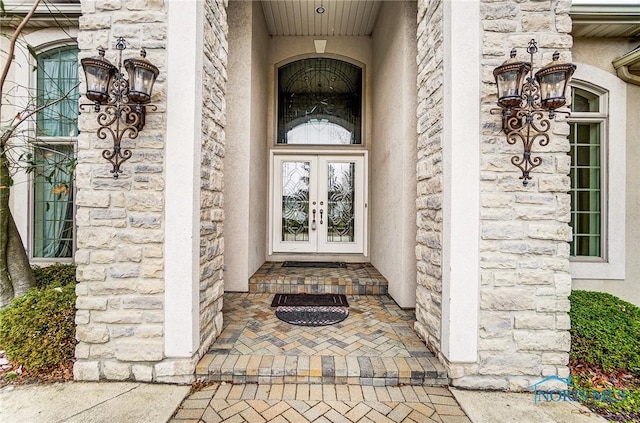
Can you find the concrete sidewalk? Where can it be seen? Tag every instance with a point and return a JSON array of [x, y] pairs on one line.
[[115, 402], [511, 407], [90, 402]]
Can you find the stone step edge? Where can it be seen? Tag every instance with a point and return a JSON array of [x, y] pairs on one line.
[[317, 289], [364, 371], [320, 281]]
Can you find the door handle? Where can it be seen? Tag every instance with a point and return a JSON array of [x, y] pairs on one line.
[[321, 211], [313, 222]]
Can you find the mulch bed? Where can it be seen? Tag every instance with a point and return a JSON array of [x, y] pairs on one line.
[[12, 373]]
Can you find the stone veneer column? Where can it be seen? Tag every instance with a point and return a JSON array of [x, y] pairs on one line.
[[429, 173], [126, 310], [214, 80], [523, 244]]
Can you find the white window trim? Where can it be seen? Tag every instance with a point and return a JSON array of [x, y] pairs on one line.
[[601, 118], [612, 266], [21, 200]]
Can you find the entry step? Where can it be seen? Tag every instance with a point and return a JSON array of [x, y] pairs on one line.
[[364, 371], [350, 279]]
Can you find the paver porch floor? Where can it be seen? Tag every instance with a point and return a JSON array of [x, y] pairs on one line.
[[374, 346]]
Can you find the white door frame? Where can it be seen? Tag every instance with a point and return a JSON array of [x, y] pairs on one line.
[[361, 245]]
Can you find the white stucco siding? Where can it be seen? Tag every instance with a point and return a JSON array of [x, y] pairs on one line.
[[393, 143], [620, 272], [246, 155]]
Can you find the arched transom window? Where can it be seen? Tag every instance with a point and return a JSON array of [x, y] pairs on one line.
[[319, 102]]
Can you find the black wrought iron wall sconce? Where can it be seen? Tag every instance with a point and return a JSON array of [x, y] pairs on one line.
[[121, 102], [523, 99]]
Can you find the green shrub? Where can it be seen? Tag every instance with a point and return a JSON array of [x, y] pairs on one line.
[[38, 329], [605, 332], [55, 275]]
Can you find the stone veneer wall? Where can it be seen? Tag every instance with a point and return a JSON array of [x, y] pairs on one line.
[[524, 250], [429, 172], [120, 221], [121, 225], [213, 144]]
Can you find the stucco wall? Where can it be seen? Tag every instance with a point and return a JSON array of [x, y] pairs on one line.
[[394, 137], [600, 53], [259, 184], [245, 182]]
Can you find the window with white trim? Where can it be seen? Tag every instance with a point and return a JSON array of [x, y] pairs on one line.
[[587, 137], [598, 125], [53, 156]]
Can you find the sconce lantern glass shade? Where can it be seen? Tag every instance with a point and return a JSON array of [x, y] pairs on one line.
[[142, 76], [98, 73], [510, 77], [553, 80]]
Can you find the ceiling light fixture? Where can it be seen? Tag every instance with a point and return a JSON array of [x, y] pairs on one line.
[[320, 10]]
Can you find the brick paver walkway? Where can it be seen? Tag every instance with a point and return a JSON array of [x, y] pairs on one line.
[[298, 403], [371, 367], [376, 345]]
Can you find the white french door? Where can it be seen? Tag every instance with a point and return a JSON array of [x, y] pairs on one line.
[[318, 203]]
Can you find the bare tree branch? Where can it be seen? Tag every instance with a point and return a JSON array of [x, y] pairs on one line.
[[25, 115], [12, 44]]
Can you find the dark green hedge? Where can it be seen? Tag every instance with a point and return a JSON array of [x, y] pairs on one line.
[[605, 331], [38, 329], [55, 275]]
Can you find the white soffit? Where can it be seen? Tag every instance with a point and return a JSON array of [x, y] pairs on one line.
[[606, 18], [52, 12], [340, 17]]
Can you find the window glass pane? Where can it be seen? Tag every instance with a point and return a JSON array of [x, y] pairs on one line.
[[57, 75], [586, 246], [319, 102], [588, 133], [586, 194], [295, 201], [587, 201], [586, 178], [53, 201], [584, 101], [340, 202]]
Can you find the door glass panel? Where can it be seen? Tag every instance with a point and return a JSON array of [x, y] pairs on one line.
[[340, 204], [295, 201]]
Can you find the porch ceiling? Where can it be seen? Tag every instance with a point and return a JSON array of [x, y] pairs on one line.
[[341, 17]]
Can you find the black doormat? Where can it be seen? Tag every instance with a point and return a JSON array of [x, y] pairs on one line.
[[325, 264], [309, 300], [312, 315]]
